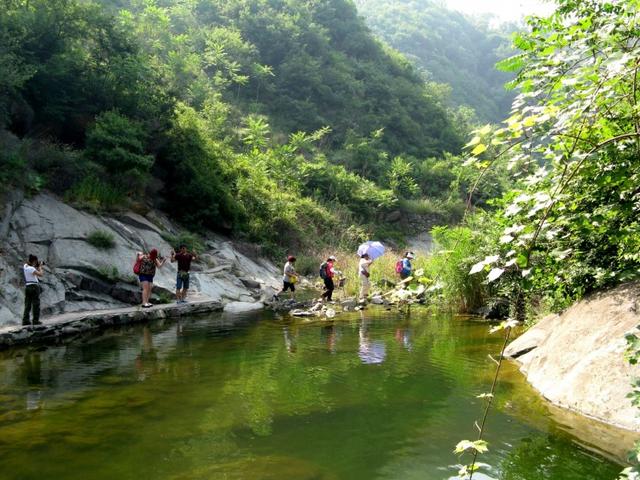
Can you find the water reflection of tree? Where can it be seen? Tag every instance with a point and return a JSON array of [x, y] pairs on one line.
[[550, 457]]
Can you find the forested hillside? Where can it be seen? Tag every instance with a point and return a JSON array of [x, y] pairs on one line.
[[450, 48], [269, 120]]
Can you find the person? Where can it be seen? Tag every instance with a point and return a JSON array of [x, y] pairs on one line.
[[406, 265], [148, 263], [364, 274], [184, 259], [32, 273], [329, 273], [289, 277]]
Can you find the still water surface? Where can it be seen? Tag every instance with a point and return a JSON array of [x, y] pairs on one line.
[[367, 396]]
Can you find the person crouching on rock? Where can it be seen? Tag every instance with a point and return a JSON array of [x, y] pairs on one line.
[[32, 273], [289, 277], [148, 263], [184, 259]]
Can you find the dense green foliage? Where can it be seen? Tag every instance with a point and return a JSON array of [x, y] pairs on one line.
[[204, 104], [451, 49], [571, 225]]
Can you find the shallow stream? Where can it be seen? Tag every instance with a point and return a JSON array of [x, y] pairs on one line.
[[370, 395]]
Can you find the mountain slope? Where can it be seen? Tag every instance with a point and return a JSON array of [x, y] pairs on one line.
[[449, 47]]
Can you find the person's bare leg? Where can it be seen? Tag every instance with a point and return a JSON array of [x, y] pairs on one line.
[[144, 292]]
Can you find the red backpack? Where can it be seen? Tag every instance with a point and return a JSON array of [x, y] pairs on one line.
[[137, 265], [399, 266]]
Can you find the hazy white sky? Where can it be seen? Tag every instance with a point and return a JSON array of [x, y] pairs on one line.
[[503, 10]]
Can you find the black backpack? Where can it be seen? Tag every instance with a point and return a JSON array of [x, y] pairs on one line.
[[323, 270]]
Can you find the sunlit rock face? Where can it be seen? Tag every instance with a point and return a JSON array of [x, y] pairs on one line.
[[81, 277], [576, 359]]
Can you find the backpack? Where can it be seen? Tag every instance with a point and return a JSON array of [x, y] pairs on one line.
[[137, 265], [323, 270], [399, 266]]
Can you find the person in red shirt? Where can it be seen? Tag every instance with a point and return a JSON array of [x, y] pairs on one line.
[[328, 279], [184, 259]]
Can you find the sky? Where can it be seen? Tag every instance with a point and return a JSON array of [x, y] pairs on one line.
[[503, 10]]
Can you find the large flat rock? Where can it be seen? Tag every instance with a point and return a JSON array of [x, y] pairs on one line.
[[576, 359]]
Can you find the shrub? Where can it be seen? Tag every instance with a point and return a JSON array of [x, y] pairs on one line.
[[308, 265], [197, 187], [456, 251], [117, 143], [101, 240], [401, 178], [449, 211], [193, 241], [109, 273], [16, 169], [97, 195]]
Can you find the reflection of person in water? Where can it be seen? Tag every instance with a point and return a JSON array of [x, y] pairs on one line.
[[289, 340], [33, 377], [147, 359], [403, 337], [329, 331], [370, 352]]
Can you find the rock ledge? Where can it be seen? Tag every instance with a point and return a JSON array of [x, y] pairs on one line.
[[576, 359], [74, 324]]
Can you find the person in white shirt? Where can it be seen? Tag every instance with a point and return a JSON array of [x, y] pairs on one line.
[[32, 272], [289, 278], [363, 273]]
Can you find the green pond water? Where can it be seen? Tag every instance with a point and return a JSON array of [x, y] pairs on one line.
[[366, 396]]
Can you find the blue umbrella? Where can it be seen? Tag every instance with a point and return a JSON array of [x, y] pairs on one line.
[[374, 249]]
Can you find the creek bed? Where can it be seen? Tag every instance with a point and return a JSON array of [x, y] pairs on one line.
[[369, 395]]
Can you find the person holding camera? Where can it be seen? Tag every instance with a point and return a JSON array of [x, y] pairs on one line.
[[32, 272]]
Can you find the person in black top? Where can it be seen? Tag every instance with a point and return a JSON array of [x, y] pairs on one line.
[[184, 259]]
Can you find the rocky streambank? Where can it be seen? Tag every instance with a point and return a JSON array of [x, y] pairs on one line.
[[83, 277], [576, 359], [72, 325]]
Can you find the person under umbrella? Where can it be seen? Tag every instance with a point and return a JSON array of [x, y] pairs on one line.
[[364, 274]]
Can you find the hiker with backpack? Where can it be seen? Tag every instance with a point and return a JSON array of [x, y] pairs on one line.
[[403, 265], [327, 272], [145, 268]]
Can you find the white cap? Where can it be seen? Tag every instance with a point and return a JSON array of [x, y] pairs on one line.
[[410, 255], [331, 257]]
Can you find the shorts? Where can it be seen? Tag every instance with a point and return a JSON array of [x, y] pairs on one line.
[[182, 281], [288, 285], [146, 278]]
